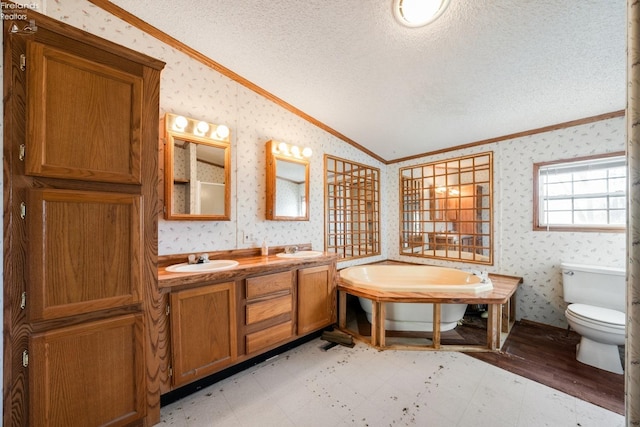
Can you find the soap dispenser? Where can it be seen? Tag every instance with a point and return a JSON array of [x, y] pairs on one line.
[[265, 248]]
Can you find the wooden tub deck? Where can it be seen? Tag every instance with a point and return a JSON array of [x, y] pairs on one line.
[[500, 301]]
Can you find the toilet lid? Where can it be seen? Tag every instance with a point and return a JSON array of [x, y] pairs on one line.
[[598, 314]]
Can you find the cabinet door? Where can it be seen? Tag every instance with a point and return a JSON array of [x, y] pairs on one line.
[[84, 117], [84, 251], [203, 331], [316, 298], [90, 374]]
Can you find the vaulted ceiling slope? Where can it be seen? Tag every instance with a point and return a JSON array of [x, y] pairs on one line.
[[484, 69]]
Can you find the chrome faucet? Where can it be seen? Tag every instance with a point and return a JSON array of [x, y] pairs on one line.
[[199, 259], [290, 249], [203, 258]]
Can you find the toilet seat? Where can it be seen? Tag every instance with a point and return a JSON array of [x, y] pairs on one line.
[[605, 317]]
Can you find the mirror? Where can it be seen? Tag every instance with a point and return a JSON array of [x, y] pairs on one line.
[[197, 169], [446, 210], [287, 182]]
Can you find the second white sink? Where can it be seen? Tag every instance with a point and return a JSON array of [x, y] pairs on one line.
[[300, 254], [213, 265]]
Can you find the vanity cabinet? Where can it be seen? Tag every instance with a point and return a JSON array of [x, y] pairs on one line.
[[203, 331], [218, 320], [268, 307], [316, 298]]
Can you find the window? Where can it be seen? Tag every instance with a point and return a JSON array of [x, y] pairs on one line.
[[586, 194], [352, 208], [445, 209]]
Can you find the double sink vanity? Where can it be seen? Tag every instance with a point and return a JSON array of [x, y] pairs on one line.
[[240, 304], [227, 307]]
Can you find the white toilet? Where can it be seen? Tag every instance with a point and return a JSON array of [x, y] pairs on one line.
[[596, 311]]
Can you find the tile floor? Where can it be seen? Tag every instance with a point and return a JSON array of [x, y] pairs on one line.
[[361, 386]]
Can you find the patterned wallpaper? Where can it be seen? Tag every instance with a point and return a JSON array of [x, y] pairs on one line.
[[192, 89], [536, 255]]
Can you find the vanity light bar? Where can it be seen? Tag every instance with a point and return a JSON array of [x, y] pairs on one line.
[[284, 149], [197, 127]]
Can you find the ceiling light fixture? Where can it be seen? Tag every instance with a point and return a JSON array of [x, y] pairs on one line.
[[416, 13]]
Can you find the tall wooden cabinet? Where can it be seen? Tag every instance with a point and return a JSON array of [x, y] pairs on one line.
[[81, 206]]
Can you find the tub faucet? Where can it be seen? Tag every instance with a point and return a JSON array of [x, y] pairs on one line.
[[484, 276], [291, 249]]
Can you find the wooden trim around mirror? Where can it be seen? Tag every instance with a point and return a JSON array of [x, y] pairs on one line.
[[189, 135], [273, 155]]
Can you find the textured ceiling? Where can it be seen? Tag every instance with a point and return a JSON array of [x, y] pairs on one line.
[[484, 69]]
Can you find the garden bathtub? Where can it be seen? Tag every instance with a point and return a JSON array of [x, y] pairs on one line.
[[420, 279]]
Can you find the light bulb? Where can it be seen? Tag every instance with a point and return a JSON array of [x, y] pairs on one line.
[[307, 152], [202, 128], [180, 123], [416, 13], [222, 131]]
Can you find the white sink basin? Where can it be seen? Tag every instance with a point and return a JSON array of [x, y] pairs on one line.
[[213, 265], [300, 254]]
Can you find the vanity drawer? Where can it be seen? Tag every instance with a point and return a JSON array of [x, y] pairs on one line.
[[269, 284], [267, 337], [267, 309]]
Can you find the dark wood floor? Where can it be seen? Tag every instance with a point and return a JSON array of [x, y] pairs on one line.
[[542, 353], [548, 355]]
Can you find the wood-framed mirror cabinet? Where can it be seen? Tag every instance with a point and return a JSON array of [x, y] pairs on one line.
[[197, 169], [446, 209], [287, 182]]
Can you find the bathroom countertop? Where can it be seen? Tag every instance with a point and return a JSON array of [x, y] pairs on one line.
[[247, 266]]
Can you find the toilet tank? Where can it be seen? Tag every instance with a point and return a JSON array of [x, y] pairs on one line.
[[593, 285]]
